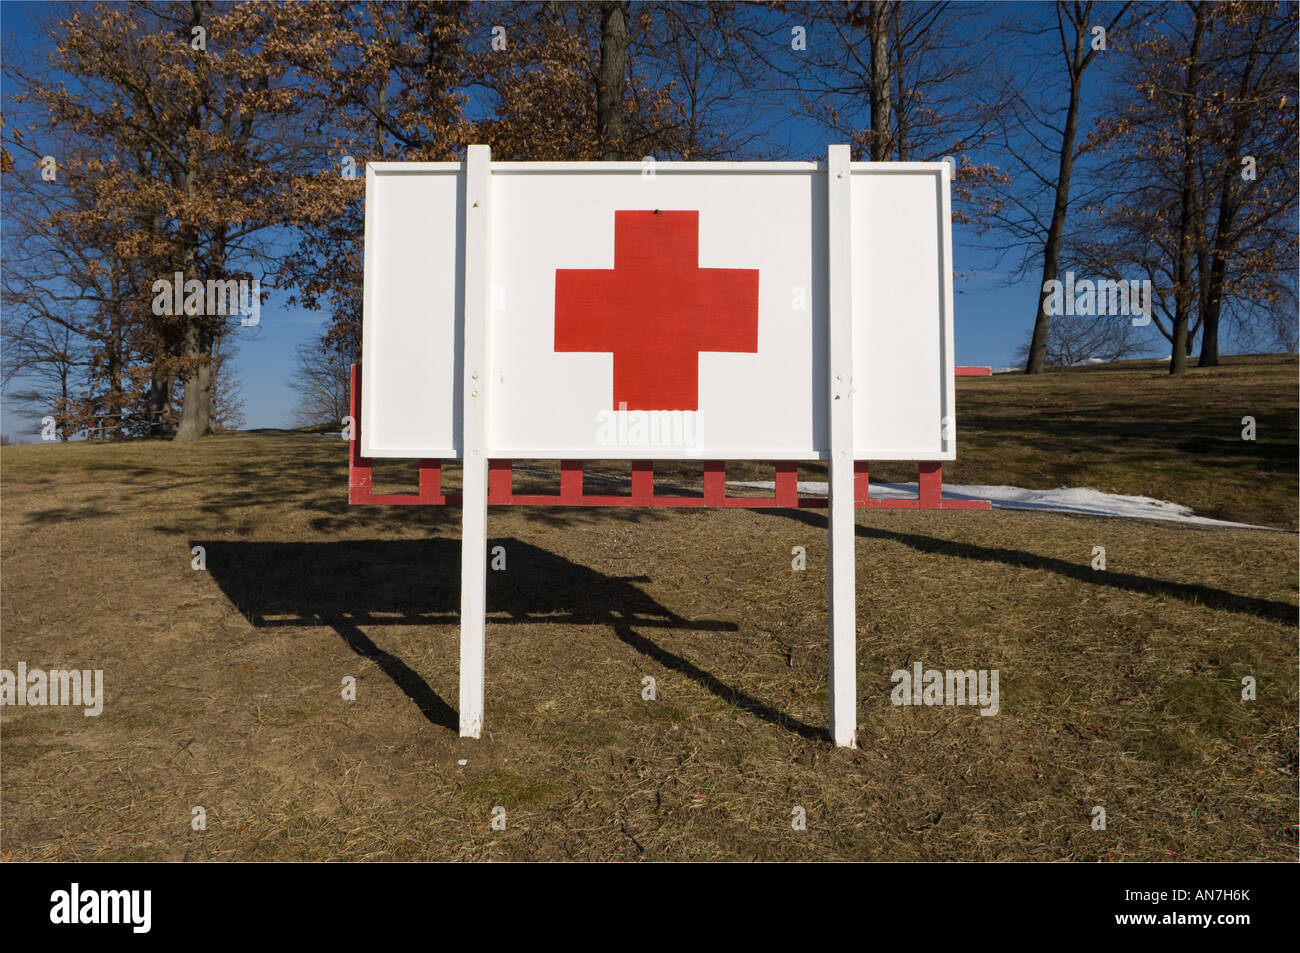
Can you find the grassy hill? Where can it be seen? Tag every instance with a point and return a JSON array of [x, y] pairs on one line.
[[1131, 428], [1119, 688]]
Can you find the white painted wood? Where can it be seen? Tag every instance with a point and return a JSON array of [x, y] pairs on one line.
[[842, 677], [635, 165], [671, 168], [949, 357], [902, 311], [402, 168], [414, 229], [475, 377], [760, 405], [769, 405]]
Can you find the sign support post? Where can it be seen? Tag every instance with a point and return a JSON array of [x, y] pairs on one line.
[[842, 677], [473, 539]]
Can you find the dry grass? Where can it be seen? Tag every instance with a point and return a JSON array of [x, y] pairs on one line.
[[1131, 428], [1118, 688]]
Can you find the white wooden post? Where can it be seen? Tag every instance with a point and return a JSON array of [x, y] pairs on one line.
[[473, 540], [842, 677]]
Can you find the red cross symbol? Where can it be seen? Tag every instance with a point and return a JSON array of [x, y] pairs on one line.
[[656, 310]]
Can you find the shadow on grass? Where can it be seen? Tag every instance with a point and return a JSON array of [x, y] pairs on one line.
[[731, 696], [415, 688], [66, 514], [350, 584], [1267, 609], [1200, 441]]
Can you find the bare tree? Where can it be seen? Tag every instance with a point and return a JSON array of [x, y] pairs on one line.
[[1201, 180], [1254, 65], [1032, 140], [1081, 339], [44, 365], [696, 87], [322, 379], [227, 389], [903, 81], [70, 289]]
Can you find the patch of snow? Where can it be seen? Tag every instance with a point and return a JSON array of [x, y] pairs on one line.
[[1080, 500]]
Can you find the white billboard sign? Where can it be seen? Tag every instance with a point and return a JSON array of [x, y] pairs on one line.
[[674, 310]]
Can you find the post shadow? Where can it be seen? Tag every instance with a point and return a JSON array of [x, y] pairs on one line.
[[415, 688], [1267, 609], [732, 696], [349, 584]]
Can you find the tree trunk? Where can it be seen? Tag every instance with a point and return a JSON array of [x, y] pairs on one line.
[[196, 411], [1052, 248], [611, 132], [1185, 293], [196, 377], [1210, 340], [158, 403], [113, 365], [63, 391], [1223, 228], [1203, 269], [881, 104], [1213, 298]]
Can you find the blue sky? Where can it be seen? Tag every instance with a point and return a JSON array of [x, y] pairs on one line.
[[993, 313]]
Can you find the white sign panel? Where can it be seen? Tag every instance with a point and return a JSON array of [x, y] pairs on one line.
[[658, 311]]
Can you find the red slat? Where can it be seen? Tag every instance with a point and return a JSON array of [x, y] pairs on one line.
[[571, 482], [431, 483], [715, 482], [861, 483], [930, 486], [787, 483], [643, 482], [500, 481], [358, 468]]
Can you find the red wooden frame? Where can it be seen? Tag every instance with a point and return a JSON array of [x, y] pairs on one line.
[[501, 478]]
